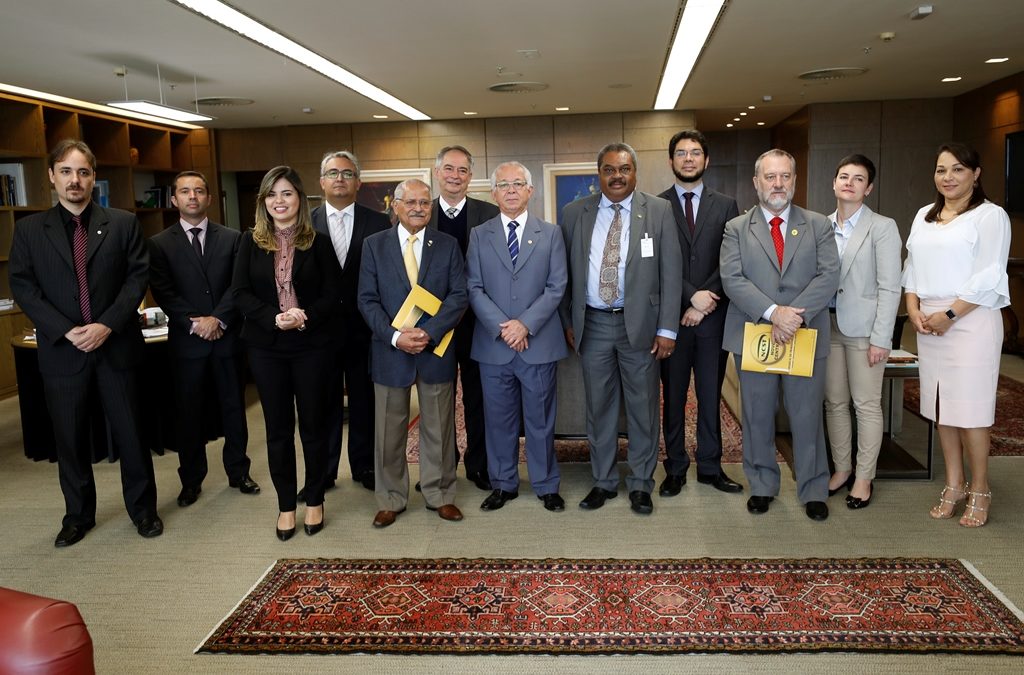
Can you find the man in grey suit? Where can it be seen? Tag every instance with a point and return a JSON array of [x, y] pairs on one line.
[[348, 224], [700, 214], [517, 276], [456, 214], [863, 314], [393, 261], [621, 313], [779, 264]]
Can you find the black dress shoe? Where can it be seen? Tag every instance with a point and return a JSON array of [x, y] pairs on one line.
[[817, 510], [70, 535], [759, 504], [368, 480], [672, 485], [721, 482], [285, 535], [188, 495], [640, 502], [848, 485], [312, 529], [480, 479], [497, 499], [596, 498], [858, 503], [150, 526], [246, 485], [418, 488], [553, 501]]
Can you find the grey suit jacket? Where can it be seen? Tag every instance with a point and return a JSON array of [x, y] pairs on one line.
[[530, 292], [869, 279], [700, 253], [653, 286], [383, 287], [752, 279]]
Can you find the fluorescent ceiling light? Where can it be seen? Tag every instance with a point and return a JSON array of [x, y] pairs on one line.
[[1000, 59], [96, 107], [250, 28], [692, 33], [160, 110], [952, 79]]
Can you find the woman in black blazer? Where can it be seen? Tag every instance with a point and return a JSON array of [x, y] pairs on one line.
[[286, 286]]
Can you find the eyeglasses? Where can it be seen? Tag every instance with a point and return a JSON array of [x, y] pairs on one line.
[[682, 154], [413, 203], [517, 185], [334, 174]]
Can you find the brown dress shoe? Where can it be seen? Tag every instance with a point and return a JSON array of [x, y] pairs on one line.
[[449, 512], [385, 518]]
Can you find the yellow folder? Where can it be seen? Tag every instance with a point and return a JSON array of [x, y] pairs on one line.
[[762, 355], [420, 301]]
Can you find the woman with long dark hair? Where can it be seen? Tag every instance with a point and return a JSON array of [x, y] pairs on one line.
[[286, 286], [955, 283]]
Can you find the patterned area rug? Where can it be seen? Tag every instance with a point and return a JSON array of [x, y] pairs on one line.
[[578, 607], [1008, 430], [579, 451]]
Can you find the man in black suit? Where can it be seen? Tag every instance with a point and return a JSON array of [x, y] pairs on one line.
[[79, 271], [347, 224], [456, 214], [700, 214], [190, 274]]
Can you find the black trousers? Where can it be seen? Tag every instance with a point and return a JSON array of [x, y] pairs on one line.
[[192, 396], [351, 373], [475, 457], [293, 376], [68, 398]]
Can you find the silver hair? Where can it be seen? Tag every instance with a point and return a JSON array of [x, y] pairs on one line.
[[408, 183], [448, 148], [774, 152], [518, 165], [343, 154], [617, 147]]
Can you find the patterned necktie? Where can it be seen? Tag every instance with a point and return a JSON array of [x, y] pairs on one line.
[[452, 211], [608, 287], [689, 211], [338, 237], [196, 244], [777, 238], [78, 255], [411, 268], [513, 242]]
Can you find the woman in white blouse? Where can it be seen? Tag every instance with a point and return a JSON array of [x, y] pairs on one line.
[[955, 283]]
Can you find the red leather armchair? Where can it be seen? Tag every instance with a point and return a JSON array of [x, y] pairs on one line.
[[40, 635]]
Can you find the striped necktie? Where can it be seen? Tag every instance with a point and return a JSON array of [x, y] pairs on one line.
[[513, 242], [78, 252]]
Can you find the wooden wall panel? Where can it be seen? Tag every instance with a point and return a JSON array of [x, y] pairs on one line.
[[250, 149]]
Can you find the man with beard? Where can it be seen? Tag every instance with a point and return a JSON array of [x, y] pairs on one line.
[[701, 214], [779, 264], [621, 313]]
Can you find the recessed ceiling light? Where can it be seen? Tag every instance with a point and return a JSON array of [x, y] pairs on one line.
[[751, 107], [380, 117], [729, 125], [760, 124], [468, 112], [1001, 59], [563, 108], [952, 79], [735, 119], [743, 114]]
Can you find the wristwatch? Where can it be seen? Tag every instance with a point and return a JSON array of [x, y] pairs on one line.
[[951, 314]]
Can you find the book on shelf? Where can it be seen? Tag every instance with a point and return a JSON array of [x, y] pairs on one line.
[[101, 193], [12, 185], [153, 199]]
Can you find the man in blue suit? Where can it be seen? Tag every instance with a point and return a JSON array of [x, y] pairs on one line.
[[392, 261], [517, 275]]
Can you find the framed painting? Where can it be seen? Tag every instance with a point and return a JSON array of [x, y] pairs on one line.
[[377, 188], [565, 183], [480, 188]]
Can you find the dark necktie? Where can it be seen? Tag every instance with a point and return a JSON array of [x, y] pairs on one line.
[[513, 242], [608, 283], [777, 238], [78, 252], [689, 211], [196, 244]]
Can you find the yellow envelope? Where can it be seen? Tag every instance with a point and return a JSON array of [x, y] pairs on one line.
[[762, 355], [420, 301]]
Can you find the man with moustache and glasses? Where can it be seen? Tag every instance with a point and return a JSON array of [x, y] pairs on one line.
[[700, 214], [779, 264]]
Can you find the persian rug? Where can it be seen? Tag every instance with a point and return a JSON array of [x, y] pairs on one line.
[[451, 606], [1008, 429], [576, 450]]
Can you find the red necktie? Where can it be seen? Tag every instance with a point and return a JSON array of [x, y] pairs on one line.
[[78, 256], [777, 238]]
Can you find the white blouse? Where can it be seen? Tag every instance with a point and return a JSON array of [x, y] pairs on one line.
[[964, 258]]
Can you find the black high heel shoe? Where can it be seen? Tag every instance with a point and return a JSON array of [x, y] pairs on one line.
[[858, 503], [285, 535], [316, 527], [848, 485]]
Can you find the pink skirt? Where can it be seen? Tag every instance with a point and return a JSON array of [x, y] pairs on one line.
[[960, 370]]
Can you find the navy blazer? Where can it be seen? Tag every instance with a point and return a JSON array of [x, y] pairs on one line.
[[186, 286], [383, 287], [44, 284], [315, 276]]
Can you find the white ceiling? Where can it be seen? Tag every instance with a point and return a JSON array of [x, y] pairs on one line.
[[440, 55]]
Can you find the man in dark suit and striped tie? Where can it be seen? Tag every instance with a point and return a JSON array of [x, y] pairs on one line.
[[79, 271]]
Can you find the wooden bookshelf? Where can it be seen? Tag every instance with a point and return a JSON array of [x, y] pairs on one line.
[[131, 155]]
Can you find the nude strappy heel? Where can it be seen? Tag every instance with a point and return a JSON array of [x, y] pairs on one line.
[[946, 508], [975, 515]]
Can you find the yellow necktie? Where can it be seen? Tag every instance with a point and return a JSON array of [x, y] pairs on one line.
[[411, 268]]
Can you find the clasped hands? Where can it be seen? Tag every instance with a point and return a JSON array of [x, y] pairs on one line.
[[936, 323], [89, 337], [515, 334], [207, 327], [290, 319], [701, 304], [785, 322], [412, 340]]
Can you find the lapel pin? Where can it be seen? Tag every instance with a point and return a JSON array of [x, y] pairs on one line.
[[794, 232], [99, 231], [529, 241], [430, 242]]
